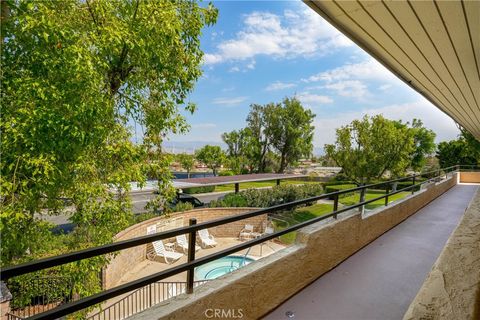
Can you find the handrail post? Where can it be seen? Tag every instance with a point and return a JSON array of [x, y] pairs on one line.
[[413, 184], [362, 198], [387, 190], [191, 256], [335, 204]]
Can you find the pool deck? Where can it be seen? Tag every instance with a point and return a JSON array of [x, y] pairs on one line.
[[148, 267]]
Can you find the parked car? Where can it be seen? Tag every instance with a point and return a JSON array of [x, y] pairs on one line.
[[187, 198]]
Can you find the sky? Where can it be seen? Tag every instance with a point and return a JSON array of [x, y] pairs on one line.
[[262, 51]]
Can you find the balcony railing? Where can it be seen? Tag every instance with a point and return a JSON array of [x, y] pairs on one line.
[[191, 230]]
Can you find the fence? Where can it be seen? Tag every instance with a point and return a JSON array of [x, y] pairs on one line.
[[142, 299], [38, 295], [191, 230]]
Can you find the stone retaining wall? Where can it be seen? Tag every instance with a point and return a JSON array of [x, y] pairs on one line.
[[127, 258], [452, 289], [261, 286]]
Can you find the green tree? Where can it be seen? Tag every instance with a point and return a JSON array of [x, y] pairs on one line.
[[74, 73], [212, 156], [290, 131], [257, 122], [463, 151], [240, 150], [424, 142], [366, 149], [187, 161]]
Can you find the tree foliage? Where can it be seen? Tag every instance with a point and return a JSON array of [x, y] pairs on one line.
[[276, 136], [75, 75], [187, 161], [366, 149], [290, 131], [424, 142], [463, 151], [212, 156]]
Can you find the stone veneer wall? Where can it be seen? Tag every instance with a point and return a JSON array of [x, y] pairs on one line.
[[470, 177], [452, 289], [127, 258], [260, 287]]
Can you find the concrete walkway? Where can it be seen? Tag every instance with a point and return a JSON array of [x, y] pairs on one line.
[[381, 280]]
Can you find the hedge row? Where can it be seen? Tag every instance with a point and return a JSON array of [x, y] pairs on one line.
[[195, 190], [269, 197]]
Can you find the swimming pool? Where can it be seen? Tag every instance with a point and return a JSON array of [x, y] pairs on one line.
[[219, 267]]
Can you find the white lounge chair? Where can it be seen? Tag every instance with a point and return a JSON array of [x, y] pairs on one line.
[[206, 239], [160, 251], [268, 230], [183, 243], [248, 233]]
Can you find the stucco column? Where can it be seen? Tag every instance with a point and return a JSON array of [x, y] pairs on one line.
[[5, 297]]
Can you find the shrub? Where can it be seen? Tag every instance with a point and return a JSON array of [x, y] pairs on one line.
[[195, 190], [269, 197], [182, 206], [226, 173], [340, 187], [230, 200]]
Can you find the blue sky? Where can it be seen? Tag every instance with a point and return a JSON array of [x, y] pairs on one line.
[[263, 51]]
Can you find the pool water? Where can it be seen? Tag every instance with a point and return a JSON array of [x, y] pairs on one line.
[[219, 267]]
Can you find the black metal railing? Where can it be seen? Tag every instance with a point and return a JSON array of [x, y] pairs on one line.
[[142, 299], [38, 294], [11, 316], [192, 263]]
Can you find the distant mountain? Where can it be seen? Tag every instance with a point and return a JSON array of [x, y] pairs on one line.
[[189, 146]]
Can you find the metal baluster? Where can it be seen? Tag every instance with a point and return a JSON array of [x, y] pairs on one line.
[[413, 184], [335, 204], [191, 256], [387, 191]]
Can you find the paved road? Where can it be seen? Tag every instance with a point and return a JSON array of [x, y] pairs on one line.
[[381, 280], [140, 199]]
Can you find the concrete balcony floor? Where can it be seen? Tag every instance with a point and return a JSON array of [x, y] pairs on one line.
[[381, 280]]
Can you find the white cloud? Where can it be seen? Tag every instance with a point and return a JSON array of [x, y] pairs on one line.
[[303, 33], [234, 69], [277, 85], [313, 100], [204, 125], [369, 69], [432, 118], [349, 88], [229, 101], [385, 87]]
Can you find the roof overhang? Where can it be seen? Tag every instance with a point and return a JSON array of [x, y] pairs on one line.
[[433, 46]]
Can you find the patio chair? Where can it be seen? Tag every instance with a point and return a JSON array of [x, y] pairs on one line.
[[206, 239], [268, 230], [248, 233], [160, 251], [183, 243]]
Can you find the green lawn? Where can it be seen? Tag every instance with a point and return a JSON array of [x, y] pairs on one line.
[[260, 184], [307, 213], [300, 215], [371, 194]]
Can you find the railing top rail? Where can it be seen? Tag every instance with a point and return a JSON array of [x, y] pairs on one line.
[[28, 267]]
